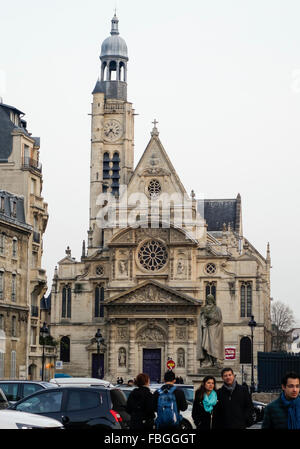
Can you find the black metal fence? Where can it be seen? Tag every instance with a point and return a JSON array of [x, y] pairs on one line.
[[272, 366]]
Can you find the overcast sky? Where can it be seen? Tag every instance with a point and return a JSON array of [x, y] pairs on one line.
[[222, 77]]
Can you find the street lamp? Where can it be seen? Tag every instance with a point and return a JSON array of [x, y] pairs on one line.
[[99, 340], [44, 332], [252, 323]]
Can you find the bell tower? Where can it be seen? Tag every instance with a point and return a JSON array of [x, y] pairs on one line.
[[112, 133]]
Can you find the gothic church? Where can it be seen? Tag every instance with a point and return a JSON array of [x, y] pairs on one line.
[[143, 281]]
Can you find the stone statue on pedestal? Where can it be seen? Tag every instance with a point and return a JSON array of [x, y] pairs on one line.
[[210, 345]]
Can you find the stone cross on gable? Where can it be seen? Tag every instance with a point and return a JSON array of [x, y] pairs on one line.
[[155, 130]]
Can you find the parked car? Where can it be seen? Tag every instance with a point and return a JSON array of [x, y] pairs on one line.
[[3, 400], [79, 381], [259, 409], [11, 419], [79, 407], [15, 390]]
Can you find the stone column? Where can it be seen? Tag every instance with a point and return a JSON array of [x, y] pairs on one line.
[[132, 349]]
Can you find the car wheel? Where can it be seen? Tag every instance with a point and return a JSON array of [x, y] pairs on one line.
[[186, 425]]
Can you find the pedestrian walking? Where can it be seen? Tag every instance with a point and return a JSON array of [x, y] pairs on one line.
[[205, 405], [235, 406], [284, 412], [140, 404], [168, 402]]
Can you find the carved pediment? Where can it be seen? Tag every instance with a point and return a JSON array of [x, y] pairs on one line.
[[151, 292]]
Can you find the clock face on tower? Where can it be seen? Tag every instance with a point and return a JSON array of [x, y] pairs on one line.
[[112, 130]]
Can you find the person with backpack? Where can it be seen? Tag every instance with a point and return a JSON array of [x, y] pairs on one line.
[[140, 404], [205, 404], [168, 403]]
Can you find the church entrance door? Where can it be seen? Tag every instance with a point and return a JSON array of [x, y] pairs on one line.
[[152, 364], [98, 366]]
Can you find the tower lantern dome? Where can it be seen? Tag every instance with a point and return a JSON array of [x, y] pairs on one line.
[[114, 45], [114, 57]]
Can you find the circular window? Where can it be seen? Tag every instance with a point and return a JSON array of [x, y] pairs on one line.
[[100, 270], [211, 268], [153, 255], [154, 188]]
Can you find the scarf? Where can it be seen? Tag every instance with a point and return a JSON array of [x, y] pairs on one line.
[[293, 411], [230, 388], [210, 401]]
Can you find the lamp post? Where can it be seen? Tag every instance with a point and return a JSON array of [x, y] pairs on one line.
[[252, 323], [44, 332], [99, 340]]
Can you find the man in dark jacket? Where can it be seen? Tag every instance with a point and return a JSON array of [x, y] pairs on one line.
[[170, 380], [284, 412], [235, 408]]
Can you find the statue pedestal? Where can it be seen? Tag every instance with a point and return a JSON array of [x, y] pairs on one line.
[[207, 371]]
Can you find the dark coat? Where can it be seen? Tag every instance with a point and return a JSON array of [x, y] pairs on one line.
[[140, 407], [203, 420], [275, 415], [235, 409]]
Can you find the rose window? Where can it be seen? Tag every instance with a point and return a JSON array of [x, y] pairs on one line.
[[153, 255], [211, 268], [154, 188], [99, 270]]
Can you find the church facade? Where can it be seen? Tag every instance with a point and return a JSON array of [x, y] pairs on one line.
[[153, 254]]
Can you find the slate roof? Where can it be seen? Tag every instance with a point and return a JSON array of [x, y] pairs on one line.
[[220, 211], [6, 128]]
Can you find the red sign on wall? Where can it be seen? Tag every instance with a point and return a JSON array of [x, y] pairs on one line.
[[230, 352], [171, 364]]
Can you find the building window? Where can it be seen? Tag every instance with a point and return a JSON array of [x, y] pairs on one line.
[[1, 284], [66, 302], [13, 326], [15, 247], [1, 324], [211, 289], [2, 208], [2, 244], [65, 349], [13, 365], [13, 287], [13, 208], [210, 268], [154, 188], [246, 299], [153, 255], [33, 336], [99, 301], [245, 350]]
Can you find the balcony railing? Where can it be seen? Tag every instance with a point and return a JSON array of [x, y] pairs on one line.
[[28, 162]]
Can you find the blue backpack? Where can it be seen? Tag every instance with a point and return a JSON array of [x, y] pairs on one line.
[[167, 413]]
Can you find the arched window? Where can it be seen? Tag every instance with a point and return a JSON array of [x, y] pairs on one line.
[[65, 349], [66, 302], [99, 301], [180, 358], [210, 289], [245, 350], [246, 299]]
